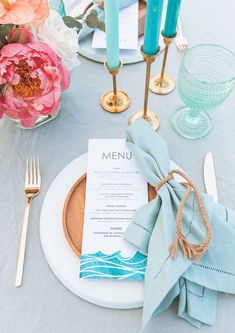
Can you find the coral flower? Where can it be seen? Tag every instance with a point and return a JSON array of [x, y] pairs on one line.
[[23, 11], [33, 78]]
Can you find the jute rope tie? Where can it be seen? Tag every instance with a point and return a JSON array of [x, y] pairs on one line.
[[191, 251]]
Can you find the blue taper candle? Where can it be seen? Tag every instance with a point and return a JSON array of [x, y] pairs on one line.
[[172, 14], [152, 26], [111, 9]]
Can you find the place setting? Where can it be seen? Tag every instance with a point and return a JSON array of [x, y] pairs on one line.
[[122, 226], [92, 44]]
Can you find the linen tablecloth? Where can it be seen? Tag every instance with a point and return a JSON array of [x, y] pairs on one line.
[[43, 305]]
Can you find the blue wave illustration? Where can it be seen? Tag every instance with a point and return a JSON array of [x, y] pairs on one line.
[[112, 267]]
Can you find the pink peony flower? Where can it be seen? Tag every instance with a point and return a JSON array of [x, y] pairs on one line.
[[23, 11], [33, 78], [22, 36]]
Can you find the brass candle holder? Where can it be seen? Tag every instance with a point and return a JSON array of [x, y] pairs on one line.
[[114, 101], [146, 114], [162, 83]]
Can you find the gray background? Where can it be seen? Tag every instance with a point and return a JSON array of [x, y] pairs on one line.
[[43, 304]]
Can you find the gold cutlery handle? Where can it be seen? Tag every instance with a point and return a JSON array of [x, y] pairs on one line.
[[20, 264], [179, 29]]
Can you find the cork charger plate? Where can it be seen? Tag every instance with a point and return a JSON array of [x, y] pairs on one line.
[[61, 223], [73, 213]]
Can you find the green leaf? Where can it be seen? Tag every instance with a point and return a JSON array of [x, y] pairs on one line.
[[5, 29], [2, 87], [101, 26], [92, 21], [71, 22], [93, 12]]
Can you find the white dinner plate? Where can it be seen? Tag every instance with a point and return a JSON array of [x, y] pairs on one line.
[[99, 55], [64, 262]]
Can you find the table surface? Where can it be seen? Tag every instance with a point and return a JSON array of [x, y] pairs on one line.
[[43, 304]]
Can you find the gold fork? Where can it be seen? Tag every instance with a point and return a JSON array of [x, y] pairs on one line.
[[32, 188], [180, 41]]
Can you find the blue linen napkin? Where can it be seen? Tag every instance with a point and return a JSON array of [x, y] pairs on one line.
[[153, 229]]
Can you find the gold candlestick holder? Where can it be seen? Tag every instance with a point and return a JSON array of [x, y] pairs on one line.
[[114, 101], [162, 83], [144, 113]]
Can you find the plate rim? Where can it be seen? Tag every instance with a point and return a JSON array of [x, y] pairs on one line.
[[127, 303]]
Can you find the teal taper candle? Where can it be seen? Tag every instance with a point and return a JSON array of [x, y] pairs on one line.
[[152, 26], [172, 14], [111, 9]]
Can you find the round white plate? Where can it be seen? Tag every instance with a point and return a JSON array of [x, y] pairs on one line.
[[99, 55], [64, 262]]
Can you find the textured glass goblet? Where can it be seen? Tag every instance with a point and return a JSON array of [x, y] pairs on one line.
[[206, 78]]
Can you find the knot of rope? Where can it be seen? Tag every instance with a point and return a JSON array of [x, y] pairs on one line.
[[191, 251]]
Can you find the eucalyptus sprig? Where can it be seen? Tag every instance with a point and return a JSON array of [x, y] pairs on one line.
[[5, 29], [91, 20]]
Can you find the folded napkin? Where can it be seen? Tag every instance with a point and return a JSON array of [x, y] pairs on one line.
[[153, 230], [97, 5]]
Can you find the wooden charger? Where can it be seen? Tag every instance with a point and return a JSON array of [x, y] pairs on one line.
[[73, 213]]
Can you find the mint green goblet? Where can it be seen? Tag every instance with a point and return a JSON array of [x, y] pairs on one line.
[[206, 78]]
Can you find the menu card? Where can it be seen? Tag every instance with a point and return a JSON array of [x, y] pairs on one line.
[[115, 189], [128, 30]]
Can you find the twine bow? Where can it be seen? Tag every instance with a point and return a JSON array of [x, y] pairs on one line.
[[191, 251]]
